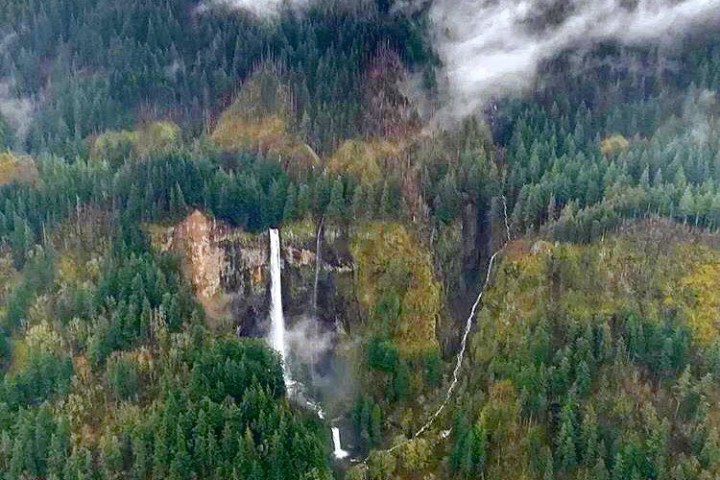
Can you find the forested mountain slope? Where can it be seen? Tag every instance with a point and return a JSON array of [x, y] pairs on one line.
[[148, 146]]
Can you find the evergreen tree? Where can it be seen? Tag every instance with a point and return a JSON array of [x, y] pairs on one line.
[[336, 207]]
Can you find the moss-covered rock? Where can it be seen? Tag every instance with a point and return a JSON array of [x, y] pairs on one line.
[[259, 120], [395, 284]]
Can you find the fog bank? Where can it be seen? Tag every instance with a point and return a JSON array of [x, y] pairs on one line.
[[492, 48]]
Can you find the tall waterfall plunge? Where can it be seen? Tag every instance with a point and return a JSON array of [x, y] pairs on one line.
[[277, 336], [277, 318]]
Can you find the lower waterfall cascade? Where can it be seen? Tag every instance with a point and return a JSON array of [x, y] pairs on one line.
[[338, 452], [468, 326], [463, 344]]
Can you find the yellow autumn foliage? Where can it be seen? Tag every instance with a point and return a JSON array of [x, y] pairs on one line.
[[614, 144], [158, 137], [43, 338], [114, 146], [16, 168], [236, 132], [624, 272], [258, 120], [73, 271], [696, 294], [385, 253], [20, 355], [501, 417], [365, 160], [117, 146]]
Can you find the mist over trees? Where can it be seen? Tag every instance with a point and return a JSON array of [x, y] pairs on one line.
[[595, 353], [91, 66]]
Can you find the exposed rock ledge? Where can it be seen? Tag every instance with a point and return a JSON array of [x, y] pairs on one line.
[[228, 267]]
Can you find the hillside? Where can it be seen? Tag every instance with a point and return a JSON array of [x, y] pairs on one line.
[[377, 240]]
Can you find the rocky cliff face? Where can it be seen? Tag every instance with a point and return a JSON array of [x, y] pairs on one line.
[[475, 247], [229, 271]]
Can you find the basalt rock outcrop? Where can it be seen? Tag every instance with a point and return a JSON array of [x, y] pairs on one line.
[[229, 271]]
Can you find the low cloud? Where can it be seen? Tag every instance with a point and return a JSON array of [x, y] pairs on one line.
[[17, 112], [261, 8], [493, 48]]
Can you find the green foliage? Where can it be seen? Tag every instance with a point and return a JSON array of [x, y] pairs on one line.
[[596, 362], [368, 421], [381, 465], [98, 66], [230, 368], [569, 158], [459, 169], [397, 286], [4, 140], [601, 384], [45, 377], [228, 415], [382, 355], [433, 368], [469, 453], [122, 378]]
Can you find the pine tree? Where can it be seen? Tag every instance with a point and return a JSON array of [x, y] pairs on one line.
[[599, 470], [21, 241], [375, 429], [387, 204], [57, 454], [687, 204], [618, 470], [336, 207], [289, 213], [177, 201], [303, 201], [589, 437], [584, 379], [359, 203], [139, 469], [566, 442]]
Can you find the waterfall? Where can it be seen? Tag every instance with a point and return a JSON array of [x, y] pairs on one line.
[[339, 452], [468, 327], [458, 363], [463, 347], [277, 319], [505, 213], [277, 335], [318, 262]]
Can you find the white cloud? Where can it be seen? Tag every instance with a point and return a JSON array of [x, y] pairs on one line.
[[492, 48], [262, 8], [16, 111]]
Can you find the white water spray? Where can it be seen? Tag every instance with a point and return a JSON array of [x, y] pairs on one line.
[[277, 318], [339, 453]]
